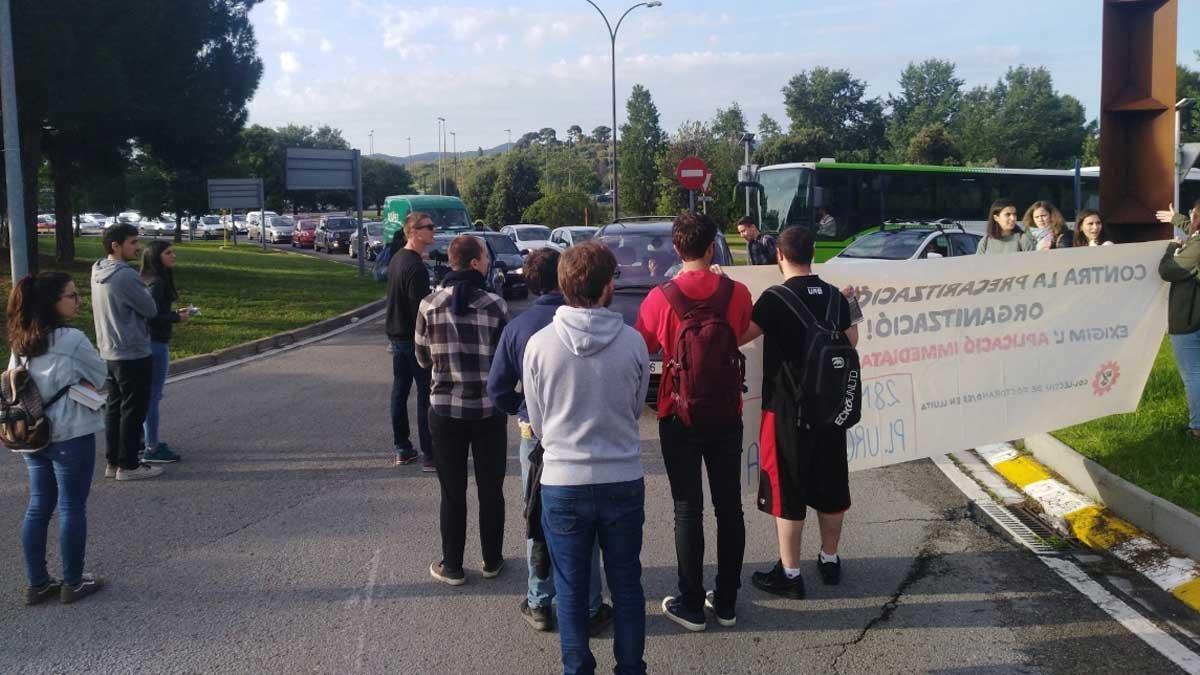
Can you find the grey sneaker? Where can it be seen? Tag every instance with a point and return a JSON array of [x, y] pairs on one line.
[[541, 618], [110, 470], [439, 571], [36, 595], [143, 471], [89, 584]]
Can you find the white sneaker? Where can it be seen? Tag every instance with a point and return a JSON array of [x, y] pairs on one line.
[[110, 470], [143, 471]]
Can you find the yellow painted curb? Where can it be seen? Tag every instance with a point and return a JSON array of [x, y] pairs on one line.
[[1098, 528], [1189, 593], [1022, 471]]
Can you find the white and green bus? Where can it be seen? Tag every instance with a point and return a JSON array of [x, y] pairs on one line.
[[856, 198]]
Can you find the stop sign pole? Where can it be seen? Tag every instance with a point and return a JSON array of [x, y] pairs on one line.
[[692, 173]]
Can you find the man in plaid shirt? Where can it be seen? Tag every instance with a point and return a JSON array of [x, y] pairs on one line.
[[457, 330]]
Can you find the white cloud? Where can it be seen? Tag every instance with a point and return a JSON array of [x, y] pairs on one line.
[[326, 45], [535, 36], [288, 62], [281, 13]]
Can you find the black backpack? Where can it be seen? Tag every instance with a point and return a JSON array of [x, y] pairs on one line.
[[827, 385], [24, 426]]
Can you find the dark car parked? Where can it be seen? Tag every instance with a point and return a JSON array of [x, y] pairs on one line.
[[333, 234], [646, 258], [505, 275]]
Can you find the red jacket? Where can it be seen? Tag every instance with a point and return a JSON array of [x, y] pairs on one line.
[[658, 323]]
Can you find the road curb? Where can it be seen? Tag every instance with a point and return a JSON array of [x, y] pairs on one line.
[[272, 342], [1087, 519]]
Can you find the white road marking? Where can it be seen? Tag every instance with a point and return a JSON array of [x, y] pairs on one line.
[[366, 608]]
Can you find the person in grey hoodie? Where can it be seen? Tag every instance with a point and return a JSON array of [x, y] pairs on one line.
[[585, 377], [122, 306]]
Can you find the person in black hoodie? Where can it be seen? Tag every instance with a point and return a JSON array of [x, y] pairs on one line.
[[408, 284], [158, 273]]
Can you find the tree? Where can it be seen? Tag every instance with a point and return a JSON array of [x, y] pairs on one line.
[[478, 189], [574, 134], [602, 134], [261, 154], [562, 207], [547, 136], [641, 144], [729, 123], [382, 179], [930, 95], [768, 128], [722, 155], [515, 190], [1187, 85], [806, 145], [1091, 145], [933, 145], [832, 103], [526, 140], [1021, 122]]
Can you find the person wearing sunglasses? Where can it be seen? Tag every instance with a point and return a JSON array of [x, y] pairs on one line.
[[408, 284]]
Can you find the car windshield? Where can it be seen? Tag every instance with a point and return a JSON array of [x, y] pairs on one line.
[[307, 225], [277, 222], [500, 243], [643, 259], [339, 224], [238, 218], [892, 245], [449, 220], [212, 220], [580, 236], [375, 229], [532, 233]]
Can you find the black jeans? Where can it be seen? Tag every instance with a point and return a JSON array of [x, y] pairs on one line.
[[406, 372], [721, 451], [128, 400], [487, 442]]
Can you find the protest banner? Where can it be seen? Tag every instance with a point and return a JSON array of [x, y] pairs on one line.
[[966, 351]]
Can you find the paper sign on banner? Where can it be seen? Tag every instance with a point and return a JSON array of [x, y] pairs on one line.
[[966, 351]]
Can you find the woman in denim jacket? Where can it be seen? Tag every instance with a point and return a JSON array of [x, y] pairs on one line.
[[57, 356]]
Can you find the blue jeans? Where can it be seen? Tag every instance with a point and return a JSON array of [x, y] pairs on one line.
[[574, 517], [405, 371], [160, 360], [1187, 357], [59, 475], [541, 591]]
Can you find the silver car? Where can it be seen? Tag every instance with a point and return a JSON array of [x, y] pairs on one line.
[[279, 229]]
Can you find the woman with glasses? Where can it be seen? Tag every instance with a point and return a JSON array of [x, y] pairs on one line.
[[57, 356]]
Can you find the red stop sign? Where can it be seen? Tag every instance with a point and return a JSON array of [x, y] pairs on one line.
[[691, 172]]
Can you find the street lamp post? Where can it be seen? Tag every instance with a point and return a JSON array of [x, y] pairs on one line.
[[454, 137], [441, 145], [509, 148], [371, 145], [612, 36]]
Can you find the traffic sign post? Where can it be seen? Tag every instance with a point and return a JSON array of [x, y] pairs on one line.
[[692, 174], [312, 169], [235, 193]]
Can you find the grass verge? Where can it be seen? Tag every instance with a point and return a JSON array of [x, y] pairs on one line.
[[243, 292], [1148, 447]]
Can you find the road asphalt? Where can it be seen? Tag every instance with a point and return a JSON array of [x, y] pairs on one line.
[[286, 541]]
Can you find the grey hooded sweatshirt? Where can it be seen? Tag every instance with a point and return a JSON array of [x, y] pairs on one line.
[[122, 305], [585, 378]]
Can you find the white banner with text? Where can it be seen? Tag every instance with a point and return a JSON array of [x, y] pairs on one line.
[[966, 351]]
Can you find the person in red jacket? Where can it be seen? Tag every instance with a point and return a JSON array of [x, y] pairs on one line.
[[685, 447]]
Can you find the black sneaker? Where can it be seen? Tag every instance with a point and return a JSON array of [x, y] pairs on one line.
[[777, 583], [726, 616], [831, 572], [428, 466], [493, 570], [36, 595], [541, 618], [601, 620], [439, 571], [87, 585], [406, 456], [674, 610]]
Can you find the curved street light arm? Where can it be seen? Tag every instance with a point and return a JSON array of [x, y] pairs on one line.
[[611, 33], [614, 32]]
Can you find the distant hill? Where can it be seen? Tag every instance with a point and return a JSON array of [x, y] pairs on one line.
[[427, 157]]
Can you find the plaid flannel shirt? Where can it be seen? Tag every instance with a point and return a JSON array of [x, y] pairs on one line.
[[459, 349]]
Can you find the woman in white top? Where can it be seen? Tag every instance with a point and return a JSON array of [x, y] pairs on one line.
[[57, 356], [1089, 229]]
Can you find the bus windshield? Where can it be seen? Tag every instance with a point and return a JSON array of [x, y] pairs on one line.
[[784, 198]]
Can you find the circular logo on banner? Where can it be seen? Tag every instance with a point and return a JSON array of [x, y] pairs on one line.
[[1106, 378]]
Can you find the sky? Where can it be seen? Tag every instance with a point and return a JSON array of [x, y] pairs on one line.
[[394, 67]]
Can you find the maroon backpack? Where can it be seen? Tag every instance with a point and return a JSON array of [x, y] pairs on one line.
[[707, 371]]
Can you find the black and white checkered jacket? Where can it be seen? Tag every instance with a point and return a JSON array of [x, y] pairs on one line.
[[459, 349]]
